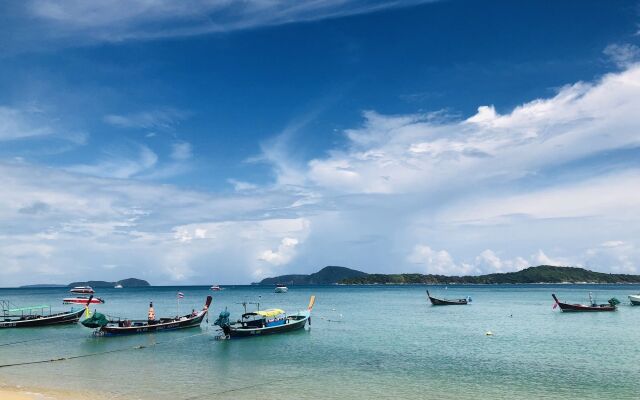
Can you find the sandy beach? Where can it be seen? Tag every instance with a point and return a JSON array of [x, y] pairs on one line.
[[24, 393]]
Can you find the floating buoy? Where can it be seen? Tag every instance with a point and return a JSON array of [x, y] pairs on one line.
[[488, 333]]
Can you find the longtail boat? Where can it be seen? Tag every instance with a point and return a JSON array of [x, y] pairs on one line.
[[592, 307], [447, 302], [112, 327], [35, 316], [263, 322]]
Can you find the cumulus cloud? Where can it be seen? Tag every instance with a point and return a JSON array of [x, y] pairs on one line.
[[496, 191], [395, 154]]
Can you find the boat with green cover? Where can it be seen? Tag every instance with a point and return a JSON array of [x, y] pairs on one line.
[[35, 316]]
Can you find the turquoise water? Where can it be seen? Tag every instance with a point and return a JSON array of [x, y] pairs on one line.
[[389, 343]]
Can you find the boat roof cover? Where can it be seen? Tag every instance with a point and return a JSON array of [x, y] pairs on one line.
[[270, 313], [28, 308]]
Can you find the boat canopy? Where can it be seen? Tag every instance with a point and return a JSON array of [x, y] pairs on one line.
[[273, 312], [28, 308]]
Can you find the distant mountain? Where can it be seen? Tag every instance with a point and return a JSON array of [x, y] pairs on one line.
[[43, 285], [326, 276], [130, 282], [539, 274]]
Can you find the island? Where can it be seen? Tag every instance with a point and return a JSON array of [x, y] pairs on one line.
[[326, 276], [129, 282], [539, 274]]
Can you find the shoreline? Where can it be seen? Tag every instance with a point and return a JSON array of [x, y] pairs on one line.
[[19, 392]]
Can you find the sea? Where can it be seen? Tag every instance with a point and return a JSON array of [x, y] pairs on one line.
[[364, 342]]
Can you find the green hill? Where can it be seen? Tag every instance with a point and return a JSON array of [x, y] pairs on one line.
[[326, 276], [539, 274], [130, 282]]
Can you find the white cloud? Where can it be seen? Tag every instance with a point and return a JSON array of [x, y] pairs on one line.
[[118, 166], [283, 255], [623, 55], [165, 118], [621, 256], [181, 151], [542, 180], [437, 262], [33, 122], [118, 20]]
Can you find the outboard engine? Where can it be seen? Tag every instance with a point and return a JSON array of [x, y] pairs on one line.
[[223, 322]]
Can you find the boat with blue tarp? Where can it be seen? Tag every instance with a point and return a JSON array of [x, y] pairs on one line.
[[263, 322]]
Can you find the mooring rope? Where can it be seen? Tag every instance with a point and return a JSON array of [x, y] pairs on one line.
[[238, 389], [138, 347], [22, 341]]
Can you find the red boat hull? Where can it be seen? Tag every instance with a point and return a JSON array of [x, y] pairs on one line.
[[82, 301]]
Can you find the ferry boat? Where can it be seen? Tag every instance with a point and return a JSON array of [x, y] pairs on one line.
[[82, 290], [263, 322], [82, 300]]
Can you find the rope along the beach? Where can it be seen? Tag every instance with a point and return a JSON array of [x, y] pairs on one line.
[[210, 394], [139, 347]]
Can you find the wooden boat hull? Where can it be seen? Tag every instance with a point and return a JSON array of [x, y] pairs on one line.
[[446, 302], [150, 328], [117, 328], [71, 317], [566, 307], [293, 323]]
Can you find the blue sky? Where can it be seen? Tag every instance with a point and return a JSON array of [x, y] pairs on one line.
[[222, 141]]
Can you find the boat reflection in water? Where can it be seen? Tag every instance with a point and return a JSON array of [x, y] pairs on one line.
[[263, 322]]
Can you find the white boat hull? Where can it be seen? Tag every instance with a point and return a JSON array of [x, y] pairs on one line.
[[635, 299]]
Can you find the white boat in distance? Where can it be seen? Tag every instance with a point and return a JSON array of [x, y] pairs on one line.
[[634, 299], [82, 289], [216, 288], [118, 286], [280, 288]]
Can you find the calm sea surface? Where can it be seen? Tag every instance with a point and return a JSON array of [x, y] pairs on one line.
[[382, 342]]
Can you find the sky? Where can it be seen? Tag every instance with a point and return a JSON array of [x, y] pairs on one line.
[[221, 141]]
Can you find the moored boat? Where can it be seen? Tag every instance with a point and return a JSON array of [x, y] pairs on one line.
[[447, 302], [592, 307], [82, 300], [281, 288], [118, 286], [112, 327], [216, 288], [82, 290], [634, 299], [35, 316], [263, 322]]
